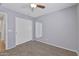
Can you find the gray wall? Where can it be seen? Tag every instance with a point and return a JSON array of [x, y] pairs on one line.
[[11, 24], [78, 25], [60, 28]]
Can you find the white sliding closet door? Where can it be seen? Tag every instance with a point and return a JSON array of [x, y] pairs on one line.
[[23, 30]]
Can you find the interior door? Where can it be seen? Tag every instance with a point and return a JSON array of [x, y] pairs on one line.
[[23, 30], [38, 29]]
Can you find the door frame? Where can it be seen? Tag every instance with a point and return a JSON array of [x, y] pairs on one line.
[[6, 29]]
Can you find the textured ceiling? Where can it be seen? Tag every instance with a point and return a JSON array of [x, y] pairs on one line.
[[25, 9]]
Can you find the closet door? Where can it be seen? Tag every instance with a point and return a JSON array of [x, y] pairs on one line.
[[23, 30]]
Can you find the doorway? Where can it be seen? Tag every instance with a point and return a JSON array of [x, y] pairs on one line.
[[2, 36], [3, 32]]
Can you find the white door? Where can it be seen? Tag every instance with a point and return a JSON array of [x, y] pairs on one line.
[[38, 28], [23, 30]]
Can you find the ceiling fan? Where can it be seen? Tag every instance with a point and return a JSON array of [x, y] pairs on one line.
[[33, 5]]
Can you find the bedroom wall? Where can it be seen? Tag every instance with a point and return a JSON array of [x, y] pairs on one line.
[[78, 24], [60, 28], [11, 25]]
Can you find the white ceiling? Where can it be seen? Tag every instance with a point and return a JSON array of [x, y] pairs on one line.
[[50, 7]]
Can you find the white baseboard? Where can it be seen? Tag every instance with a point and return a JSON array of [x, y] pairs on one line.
[[59, 47]]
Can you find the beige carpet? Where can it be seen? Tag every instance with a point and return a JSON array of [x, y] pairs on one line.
[[35, 48]]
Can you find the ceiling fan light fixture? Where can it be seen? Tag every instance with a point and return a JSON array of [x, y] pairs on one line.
[[33, 5]]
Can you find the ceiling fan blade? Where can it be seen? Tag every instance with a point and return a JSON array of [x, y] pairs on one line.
[[41, 6]]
